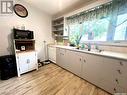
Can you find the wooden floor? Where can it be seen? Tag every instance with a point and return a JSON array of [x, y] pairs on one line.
[[48, 80]]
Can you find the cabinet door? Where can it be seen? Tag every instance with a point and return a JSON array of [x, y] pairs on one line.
[[52, 54], [32, 61], [49, 53], [58, 56], [74, 62], [91, 68], [63, 58], [22, 63]]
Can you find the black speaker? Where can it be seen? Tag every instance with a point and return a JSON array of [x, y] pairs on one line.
[[7, 67]]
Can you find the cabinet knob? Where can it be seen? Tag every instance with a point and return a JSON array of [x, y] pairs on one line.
[[119, 71], [84, 61], [121, 63], [117, 81], [80, 59], [114, 89]]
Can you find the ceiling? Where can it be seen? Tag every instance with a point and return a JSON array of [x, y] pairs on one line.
[[53, 7]]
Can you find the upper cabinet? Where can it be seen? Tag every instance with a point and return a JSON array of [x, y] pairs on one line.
[[59, 28]]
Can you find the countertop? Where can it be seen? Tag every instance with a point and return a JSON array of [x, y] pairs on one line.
[[117, 55]]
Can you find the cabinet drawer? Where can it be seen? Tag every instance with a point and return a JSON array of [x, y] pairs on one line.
[[107, 85], [121, 82], [62, 51], [113, 78], [111, 86], [92, 58], [110, 67], [122, 69], [119, 89]]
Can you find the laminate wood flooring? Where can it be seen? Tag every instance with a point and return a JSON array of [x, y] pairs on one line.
[[48, 80]]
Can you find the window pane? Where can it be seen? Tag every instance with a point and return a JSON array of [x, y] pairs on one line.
[[121, 28], [74, 32], [95, 30]]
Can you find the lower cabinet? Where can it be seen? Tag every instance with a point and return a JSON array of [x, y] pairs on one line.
[[107, 73], [114, 75], [26, 61], [74, 62], [91, 69], [69, 60], [52, 53], [61, 57]]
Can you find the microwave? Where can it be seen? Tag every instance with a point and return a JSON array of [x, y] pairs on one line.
[[23, 34]]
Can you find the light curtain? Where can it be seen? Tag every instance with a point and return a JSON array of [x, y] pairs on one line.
[[94, 13], [109, 10]]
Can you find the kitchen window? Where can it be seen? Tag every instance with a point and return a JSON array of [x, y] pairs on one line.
[[107, 23]]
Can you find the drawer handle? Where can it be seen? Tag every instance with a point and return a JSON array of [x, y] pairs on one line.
[[119, 72], [114, 89], [121, 63], [117, 81]]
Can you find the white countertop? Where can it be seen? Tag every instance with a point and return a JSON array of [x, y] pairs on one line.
[[112, 54]]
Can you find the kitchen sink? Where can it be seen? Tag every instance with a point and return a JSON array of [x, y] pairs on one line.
[[91, 50]]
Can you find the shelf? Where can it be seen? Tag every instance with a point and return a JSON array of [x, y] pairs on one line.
[[61, 36], [25, 51], [24, 39], [58, 19], [65, 37], [56, 30], [28, 45], [23, 42], [58, 35], [58, 25]]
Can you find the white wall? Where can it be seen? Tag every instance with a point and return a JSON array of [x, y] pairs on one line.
[[37, 21]]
